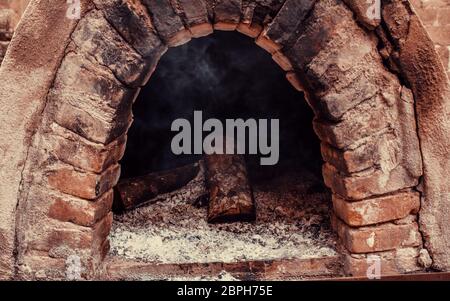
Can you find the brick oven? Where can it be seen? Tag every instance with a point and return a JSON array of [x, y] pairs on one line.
[[376, 86]]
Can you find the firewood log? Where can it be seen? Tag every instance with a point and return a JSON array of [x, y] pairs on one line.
[[135, 192], [231, 197]]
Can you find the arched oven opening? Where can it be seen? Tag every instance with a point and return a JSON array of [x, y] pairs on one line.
[[164, 218]]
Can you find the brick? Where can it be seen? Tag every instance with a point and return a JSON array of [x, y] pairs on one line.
[[59, 238], [83, 184], [335, 104], [95, 37], [194, 12], [104, 249], [250, 30], [201, 30], [90, 101], [345, 74], [366, 119], [342, 70], [102, 230], [81, 153], [400, 261], [131, 20], [78, 211], [349, 161], [282, 61], [182, 37], [62, 240], [92, 86], [247, 24], [247, 12], [41, 267], [319, 29], [406, 220], [376, 210], [91, 127], [369, 183], [225, 26], [168, 24], [267, 44], [406, 125], [44, 233], [5, 263], [227, 12], [287, 21], [293, 268], [246, 18], [265, 11], [381, 151], [377, 238]]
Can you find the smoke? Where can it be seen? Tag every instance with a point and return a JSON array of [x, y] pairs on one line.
[[226, 76]]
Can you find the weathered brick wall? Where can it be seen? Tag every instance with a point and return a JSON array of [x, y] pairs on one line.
[[435, 15], [365, 119]]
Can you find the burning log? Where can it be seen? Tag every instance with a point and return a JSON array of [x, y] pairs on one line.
[[135, 192], [231, 197]]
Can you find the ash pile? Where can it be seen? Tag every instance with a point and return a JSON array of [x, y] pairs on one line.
[[208, 212]]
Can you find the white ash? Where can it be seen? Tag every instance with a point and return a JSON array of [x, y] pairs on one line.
[[292, 222]]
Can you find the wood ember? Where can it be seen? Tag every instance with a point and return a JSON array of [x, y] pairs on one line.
[[135, 192], [231, 197]]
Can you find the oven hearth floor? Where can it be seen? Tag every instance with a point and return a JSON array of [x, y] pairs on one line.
[[292, 225]]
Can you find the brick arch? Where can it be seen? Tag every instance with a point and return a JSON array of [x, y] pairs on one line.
[[364, 117]]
